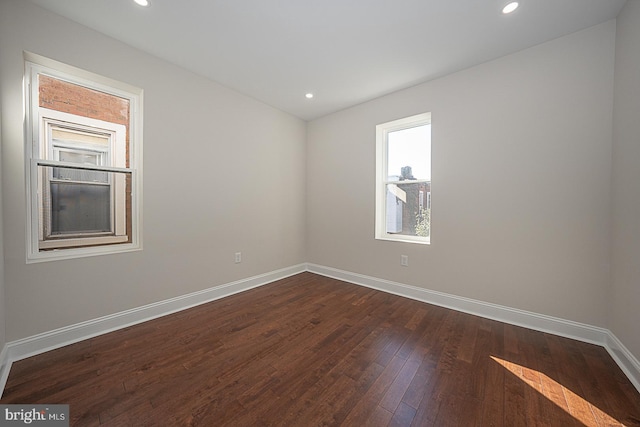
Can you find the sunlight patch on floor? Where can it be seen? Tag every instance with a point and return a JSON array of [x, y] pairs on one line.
[[571, 403]]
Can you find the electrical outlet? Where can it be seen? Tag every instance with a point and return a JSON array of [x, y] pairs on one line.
[[238, 257], [404, 260]]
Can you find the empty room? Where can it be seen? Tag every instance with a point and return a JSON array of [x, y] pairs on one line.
[[347, 213]]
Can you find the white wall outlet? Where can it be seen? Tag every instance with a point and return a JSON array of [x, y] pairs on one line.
[[404, 260], [238, 257]]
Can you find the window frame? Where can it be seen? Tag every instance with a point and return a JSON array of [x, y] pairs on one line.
[[35, 158], [382, 132]]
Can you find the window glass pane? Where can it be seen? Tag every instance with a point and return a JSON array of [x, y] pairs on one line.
[[80, 175], [80, 208], [70, 136], [409, 153], [82, 158]]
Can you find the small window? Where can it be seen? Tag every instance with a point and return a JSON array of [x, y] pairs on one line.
[[84, 155], [403, 178]]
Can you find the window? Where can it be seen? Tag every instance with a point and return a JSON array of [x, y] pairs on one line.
[[83, 156], [403, 179]]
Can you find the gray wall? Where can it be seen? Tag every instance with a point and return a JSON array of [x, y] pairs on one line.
[[521, 159], [2, 298], [625, 293], [222, 173]]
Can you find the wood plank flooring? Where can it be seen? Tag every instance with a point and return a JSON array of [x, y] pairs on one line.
[[314, 351]]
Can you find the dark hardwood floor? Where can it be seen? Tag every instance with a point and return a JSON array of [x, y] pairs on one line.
[[311, 351]]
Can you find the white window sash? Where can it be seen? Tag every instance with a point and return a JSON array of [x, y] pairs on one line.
[[119, 188]]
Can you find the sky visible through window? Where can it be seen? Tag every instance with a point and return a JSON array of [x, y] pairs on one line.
[[410, 147]]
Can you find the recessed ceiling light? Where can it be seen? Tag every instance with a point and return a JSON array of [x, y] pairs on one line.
[[142, 2], [308, 95], [510, 7]]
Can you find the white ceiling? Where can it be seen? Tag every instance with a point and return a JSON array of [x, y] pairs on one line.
[[344, 51]]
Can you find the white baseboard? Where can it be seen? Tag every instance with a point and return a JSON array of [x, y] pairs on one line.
[[539, 322], [37, 344], [625, 360], [20, 349]]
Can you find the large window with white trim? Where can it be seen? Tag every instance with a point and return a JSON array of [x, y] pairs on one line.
[[83, 152], [403, 180]]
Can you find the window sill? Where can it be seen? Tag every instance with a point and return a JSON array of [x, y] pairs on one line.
[[81, 242], [65, 254], [405, 239]]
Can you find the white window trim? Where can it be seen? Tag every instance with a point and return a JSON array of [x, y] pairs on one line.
[[34, 65], [382, 131]]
